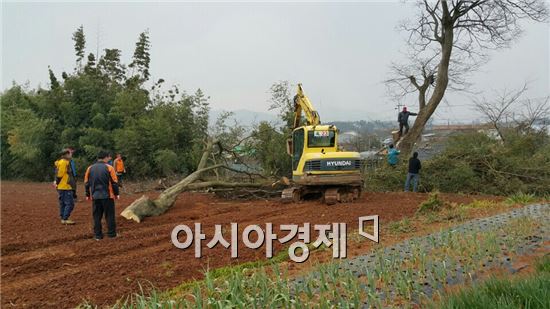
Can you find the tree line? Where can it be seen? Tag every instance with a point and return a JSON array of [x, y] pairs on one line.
[[103, 104]]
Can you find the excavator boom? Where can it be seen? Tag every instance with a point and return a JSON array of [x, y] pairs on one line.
[[302, 103]]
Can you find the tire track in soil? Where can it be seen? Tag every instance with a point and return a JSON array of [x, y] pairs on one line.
[[48, 265]]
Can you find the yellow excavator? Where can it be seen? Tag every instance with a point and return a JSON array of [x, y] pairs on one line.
[[319, 166]]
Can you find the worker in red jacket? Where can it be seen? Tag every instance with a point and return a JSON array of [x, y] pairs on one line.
[[102, 187]]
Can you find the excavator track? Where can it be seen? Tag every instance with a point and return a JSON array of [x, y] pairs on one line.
[[291, 195], [331, 196]]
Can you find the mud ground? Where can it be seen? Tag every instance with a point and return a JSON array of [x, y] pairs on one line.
[[45, 264]]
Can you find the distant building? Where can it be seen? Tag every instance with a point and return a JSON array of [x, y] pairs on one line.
[[542, 124], [347, 137], [453, 128]]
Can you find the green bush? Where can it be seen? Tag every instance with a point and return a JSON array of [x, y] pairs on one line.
[[386, 178], [433, 203], [475, 163], [444, 175], [166, 161], [270, 149]]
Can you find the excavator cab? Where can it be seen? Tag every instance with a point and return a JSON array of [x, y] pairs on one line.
[[317, 139]]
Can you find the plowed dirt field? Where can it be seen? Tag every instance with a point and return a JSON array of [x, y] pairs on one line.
[[49, 265]]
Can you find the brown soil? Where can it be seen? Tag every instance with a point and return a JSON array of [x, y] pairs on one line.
[[46, 264]]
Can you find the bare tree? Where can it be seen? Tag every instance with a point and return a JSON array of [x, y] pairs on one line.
[[446, 40], [505, 110], [498, 110], [534, 112]]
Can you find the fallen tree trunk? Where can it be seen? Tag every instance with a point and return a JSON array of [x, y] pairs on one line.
[[246, 193], [145, 207]]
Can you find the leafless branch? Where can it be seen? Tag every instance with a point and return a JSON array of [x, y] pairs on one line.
[[534, 113], [499, 109]]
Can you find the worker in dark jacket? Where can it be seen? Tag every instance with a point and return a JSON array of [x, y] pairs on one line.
[[403, 119], [102, 187], [414, 172]]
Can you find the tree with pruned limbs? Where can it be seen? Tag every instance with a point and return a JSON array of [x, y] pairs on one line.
[[446, 41]]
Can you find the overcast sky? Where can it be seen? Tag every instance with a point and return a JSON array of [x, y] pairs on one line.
[[235, 51]]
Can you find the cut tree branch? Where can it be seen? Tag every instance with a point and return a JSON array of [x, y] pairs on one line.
[[146, 207]]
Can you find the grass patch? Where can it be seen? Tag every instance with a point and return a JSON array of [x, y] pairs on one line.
[[531, 292], [252, 285], [503, 293], [433, 203], [481, 204], [458, 213], [402, 226], [520, 198], [262, 284], [225, 272], [543, 265]]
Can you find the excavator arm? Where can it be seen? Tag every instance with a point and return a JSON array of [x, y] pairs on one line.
[[302, 103]]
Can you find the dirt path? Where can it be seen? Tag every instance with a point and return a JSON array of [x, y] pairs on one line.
[[45, 264]]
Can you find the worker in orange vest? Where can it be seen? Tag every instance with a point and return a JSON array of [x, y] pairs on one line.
[[101, 185], [120, 170], [65, 183]]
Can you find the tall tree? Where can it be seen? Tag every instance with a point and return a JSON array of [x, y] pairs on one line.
[[90, 67], [110, 66], [54, 84], [79, 45], [282, 100], [202, 110], [141, 58], [447, 39]]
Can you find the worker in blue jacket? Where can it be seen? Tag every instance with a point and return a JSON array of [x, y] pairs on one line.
[[393, 156]]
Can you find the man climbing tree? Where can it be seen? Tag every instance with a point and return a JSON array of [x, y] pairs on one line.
[[447, 41], [403, 120]]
